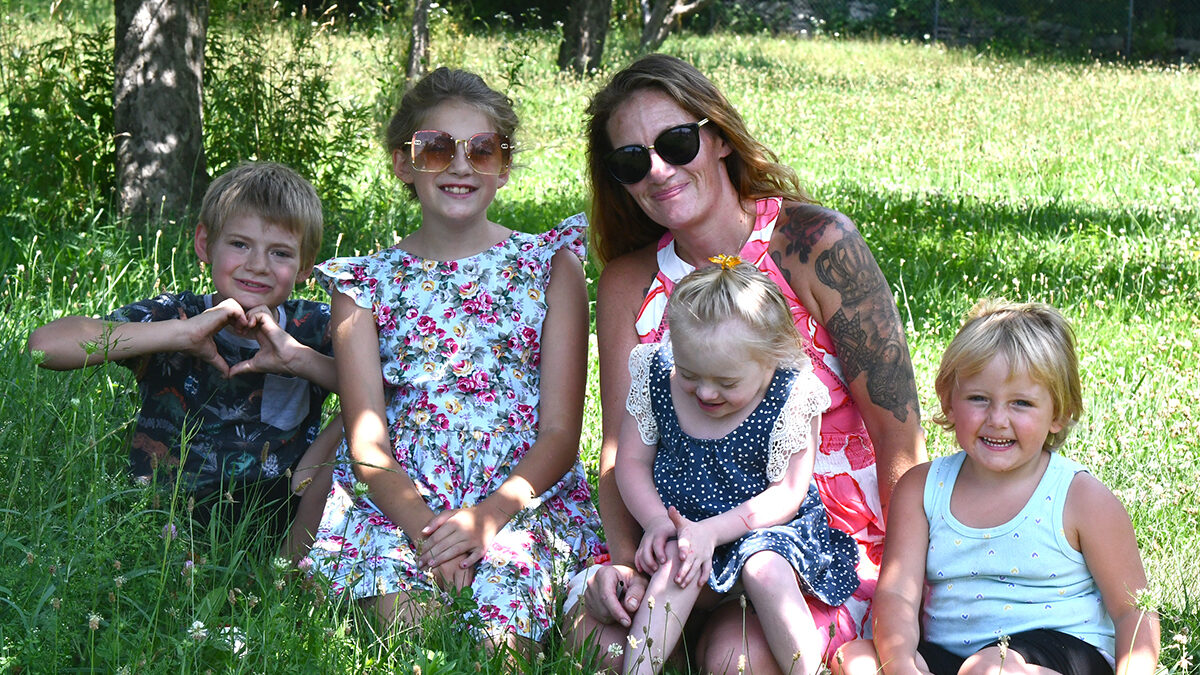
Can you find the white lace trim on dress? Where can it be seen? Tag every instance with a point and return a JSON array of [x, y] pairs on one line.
[[790, 433], [638, 403]]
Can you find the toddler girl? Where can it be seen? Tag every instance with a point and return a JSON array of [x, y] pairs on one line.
[[464, 353], [1007, 555], [715, 461]]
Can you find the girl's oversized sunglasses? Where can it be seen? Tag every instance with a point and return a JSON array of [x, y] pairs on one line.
[[679, 145], [433, 151]]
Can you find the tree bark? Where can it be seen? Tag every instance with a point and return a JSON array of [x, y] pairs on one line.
[[656, 24], [418, 43], [157, 95], [583, 36]]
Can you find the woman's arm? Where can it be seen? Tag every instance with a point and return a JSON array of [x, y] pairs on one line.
[[897, 604], [622, 287], [560, 420], [634, 471], [356, 343], [834, 273], [1109, 547]]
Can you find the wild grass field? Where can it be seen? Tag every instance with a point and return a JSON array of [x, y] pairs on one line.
[[970, 175]]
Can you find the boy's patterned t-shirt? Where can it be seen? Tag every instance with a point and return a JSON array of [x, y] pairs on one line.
[[224, 432]]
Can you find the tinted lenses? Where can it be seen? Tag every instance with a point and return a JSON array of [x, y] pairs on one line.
[[488, 153], [679, 145]]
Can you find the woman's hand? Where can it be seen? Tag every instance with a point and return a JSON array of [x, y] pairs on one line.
[[652, 552], [614, 593], [696, 543], [459, 534]]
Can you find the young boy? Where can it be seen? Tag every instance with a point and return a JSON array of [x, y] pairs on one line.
[[232, 382]]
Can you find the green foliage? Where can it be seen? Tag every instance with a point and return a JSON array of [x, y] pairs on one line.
[[56, 117], [270, 96]]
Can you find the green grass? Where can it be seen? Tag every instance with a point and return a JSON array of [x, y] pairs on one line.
[[970, 175]]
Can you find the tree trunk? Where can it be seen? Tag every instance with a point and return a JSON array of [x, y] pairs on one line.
[[418, 43], [583, 36], [157, 94], [658, 18]]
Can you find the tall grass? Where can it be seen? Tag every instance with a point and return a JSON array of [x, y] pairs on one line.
[[970, 175]]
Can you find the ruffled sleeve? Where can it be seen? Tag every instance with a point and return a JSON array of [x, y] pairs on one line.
[[570, 234], [638, 403], [357, 277], [807, 398]]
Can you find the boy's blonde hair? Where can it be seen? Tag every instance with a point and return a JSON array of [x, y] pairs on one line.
[[733, 289], [1032, 337], [438, 87], [272, 192]]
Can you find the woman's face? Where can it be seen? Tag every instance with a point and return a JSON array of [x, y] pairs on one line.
[[675, 197]]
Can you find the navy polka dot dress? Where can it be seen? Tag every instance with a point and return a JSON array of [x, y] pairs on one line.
[[706, 477]]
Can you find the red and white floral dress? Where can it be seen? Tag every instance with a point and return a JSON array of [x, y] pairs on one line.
[[460, 346], [845, 466]]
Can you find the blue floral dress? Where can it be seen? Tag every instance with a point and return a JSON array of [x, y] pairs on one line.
[[460, 345], [706, 477]]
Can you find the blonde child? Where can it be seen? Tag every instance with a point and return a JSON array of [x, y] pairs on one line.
[[1007, 555], [466, 347], [241, 372], [715, 461]]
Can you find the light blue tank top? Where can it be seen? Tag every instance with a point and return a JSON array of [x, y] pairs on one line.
[[1019, 576]]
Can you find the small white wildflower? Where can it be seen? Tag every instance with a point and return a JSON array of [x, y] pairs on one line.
[[94, 620], [198, 632], [615, 650]]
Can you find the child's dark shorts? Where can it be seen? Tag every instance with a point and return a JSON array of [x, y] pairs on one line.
[[1051, 649]]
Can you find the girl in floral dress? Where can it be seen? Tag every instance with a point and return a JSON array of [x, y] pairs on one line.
[[464, 347]]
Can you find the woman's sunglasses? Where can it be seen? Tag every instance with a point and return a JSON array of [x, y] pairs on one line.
[[679, 145], [488, 153]]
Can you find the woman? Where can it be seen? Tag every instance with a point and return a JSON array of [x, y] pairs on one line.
[[676, 179]]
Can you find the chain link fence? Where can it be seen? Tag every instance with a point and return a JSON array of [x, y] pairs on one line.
[[1166, 30]]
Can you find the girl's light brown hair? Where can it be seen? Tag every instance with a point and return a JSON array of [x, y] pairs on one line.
[[711, 296], [1031, 337], [618, 224], [441, 86]]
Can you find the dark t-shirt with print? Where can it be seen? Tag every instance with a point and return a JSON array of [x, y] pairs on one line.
[[228, 432]]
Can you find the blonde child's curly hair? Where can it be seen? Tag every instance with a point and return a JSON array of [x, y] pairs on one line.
[[1033, 338]]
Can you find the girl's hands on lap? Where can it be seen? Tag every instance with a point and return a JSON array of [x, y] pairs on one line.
[[696, 544], [459, 534], [454, 574], [652, 551]]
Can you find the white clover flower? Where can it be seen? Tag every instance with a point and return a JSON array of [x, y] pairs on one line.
[[198, 632]]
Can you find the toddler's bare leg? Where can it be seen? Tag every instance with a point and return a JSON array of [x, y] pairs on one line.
[[992, 661], [772, 586], [856, 657], [659, 621]]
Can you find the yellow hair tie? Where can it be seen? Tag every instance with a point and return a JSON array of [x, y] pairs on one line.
[[727, 262]]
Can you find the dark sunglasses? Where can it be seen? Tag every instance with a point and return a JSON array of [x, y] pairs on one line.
[[488, 153], [679, 145]]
